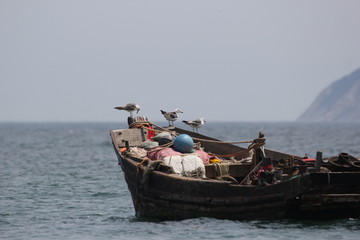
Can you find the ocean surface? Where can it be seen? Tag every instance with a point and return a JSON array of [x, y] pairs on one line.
[[62, 181]]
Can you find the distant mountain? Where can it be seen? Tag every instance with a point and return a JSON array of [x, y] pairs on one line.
[[340, 102]]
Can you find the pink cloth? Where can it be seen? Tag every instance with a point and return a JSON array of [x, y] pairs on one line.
[[161, 153], [203, 155]]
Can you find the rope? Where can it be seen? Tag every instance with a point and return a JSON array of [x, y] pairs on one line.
[[250, 173], [230, 155], [221, 169], [138, 124], [238, 153], [139, 164], [328, 175], [218, 141], [163, 129], [145, 124]]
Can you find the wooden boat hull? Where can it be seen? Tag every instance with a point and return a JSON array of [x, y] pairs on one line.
[[170, 196], [330, 195]]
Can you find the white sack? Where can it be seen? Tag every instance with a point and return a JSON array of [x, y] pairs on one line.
[[187, 165]]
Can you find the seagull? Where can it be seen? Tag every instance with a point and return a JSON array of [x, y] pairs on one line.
[[195, 124], [171, 116], [130, 107]]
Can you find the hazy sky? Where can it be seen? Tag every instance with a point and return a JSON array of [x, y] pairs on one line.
[[74, 60]]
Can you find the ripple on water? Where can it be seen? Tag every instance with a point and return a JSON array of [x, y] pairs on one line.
[[61, 181]]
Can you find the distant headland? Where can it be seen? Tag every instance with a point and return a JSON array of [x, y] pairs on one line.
[[340, 102]]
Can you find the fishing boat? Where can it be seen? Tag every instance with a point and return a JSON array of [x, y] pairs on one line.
[[231, 182]]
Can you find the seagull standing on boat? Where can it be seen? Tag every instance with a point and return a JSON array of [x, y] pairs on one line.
[[195, 124], [130, 107], [171, 116]]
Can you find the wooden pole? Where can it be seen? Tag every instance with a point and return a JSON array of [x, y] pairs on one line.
[[318, 161]]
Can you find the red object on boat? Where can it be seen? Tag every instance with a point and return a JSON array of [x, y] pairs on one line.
[[150, 133]]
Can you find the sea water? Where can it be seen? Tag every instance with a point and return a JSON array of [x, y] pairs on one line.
[[62, 181]]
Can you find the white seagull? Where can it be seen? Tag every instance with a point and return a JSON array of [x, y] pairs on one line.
[[171, 116], [195, 124], [130, 107]]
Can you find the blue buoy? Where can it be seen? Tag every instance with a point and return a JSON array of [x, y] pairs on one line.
[[184, 144]]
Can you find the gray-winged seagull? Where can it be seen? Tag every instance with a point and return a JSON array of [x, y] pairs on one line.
[[195, 124], [130, 107], [171, 116]]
